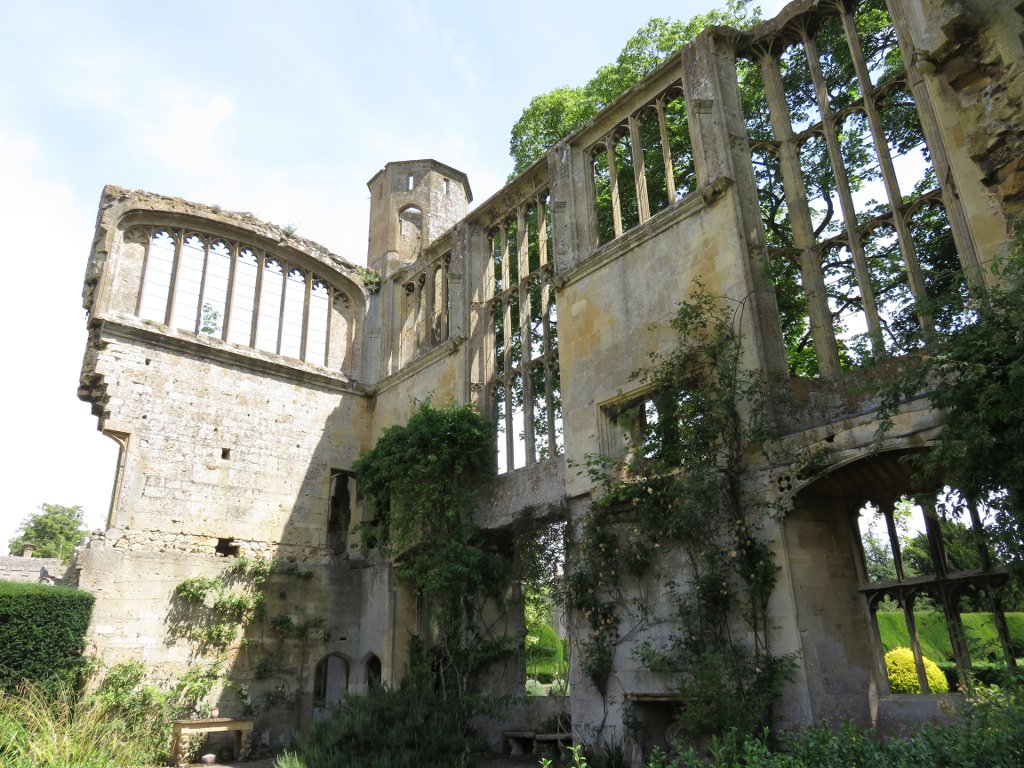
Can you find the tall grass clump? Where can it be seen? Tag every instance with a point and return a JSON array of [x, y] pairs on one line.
[[43, 728], [122, 722]]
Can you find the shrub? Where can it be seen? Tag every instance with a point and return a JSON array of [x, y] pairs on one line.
[[535, 688], [902, 672], [412, 727], [988, 734], [42, 634]]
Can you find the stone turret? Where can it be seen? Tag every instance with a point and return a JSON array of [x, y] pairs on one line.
[[412, 202]]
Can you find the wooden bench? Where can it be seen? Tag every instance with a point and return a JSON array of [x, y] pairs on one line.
[[183, 730]]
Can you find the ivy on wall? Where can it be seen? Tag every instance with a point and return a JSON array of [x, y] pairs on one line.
[[419, 483], [679, 501], [247, 604]]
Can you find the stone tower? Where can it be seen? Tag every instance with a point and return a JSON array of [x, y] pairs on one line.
[[412, 202]]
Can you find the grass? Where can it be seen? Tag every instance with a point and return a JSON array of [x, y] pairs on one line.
[[982, 639], [43, 729]]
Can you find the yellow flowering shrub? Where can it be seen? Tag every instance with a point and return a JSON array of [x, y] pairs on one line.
[[902, 672]]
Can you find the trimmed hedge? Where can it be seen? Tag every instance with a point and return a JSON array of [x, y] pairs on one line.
[[42, 634], [902, 671]]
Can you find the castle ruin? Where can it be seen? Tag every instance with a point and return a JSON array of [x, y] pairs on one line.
[[242, 369]]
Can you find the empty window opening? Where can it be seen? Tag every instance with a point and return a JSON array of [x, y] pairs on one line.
[[546, 650], [841, 164], [525, 391], [446, 186], [936, 587], [339, 512], [234, 292], [225, 453], [410, 182], [227, 548]]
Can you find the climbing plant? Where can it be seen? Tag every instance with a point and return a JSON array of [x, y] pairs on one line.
[[247, 604], [418, 484], [680, 500]]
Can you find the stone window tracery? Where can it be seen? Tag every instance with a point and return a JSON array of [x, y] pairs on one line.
[[643, 165], [525, 383], [927, 559], [213, 286], [842, 165], [424, 309]]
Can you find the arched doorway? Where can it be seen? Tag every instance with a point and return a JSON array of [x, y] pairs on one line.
[[330, 682]]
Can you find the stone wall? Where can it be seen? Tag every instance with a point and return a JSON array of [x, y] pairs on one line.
[[229, 447], [32, 570]]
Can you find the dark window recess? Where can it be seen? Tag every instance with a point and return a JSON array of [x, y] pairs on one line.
[[225, 453], [227, 548], [339, 512], [373, 673]]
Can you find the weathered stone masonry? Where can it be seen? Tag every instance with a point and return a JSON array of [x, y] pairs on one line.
[[242, 369]]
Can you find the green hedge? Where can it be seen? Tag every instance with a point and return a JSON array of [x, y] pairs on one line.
[[42, 634]]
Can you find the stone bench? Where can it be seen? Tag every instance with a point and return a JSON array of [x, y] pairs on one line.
[[533, 743], [183, 730]]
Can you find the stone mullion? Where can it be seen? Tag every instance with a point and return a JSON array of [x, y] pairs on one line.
[[332, 296], [915, 643], [482, 326], [894, 540], [172, 291], [666, 150], [995, 603], [202, 284], [507, 378], [889, 178], [639, 169], [548, 354], [613, 184], [940, 158], [306, 299], [230, 293], [145, 267], [257, 298], [423, 302], [542, 229], [835, 154], [954, 625], [506, 373], [819, 316], [523, 255], [285, 269], [442, 312]]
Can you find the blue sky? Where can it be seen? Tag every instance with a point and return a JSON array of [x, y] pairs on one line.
[[281, 109]]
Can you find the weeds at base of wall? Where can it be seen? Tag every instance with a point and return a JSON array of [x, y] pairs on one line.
[[987, 731]]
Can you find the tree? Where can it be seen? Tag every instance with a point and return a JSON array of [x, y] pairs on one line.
[[552, 116], [53, 531]]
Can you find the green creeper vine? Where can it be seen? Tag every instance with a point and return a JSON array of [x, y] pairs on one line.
[[681, 492], [238, 606], [419, 484]]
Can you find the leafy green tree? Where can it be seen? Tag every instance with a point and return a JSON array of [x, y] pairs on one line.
[[552, 116], [53, 531]]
